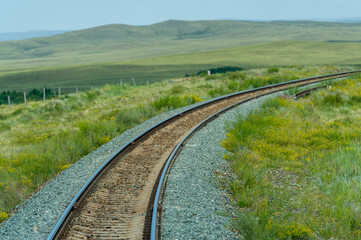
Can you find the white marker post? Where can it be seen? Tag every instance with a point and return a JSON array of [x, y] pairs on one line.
[[209, 72], [25, 98], [147, 82], [44, 94], [59, 91], [9, 101], [120, 82], [134, 81], [76, 89]]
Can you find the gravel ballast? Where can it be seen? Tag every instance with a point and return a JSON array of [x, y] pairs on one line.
[[191, 186], [194, 205]]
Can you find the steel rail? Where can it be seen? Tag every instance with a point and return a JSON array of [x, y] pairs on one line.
[[54, 234], [307, 92]]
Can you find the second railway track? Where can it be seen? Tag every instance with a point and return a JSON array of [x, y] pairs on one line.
[[117, 201]]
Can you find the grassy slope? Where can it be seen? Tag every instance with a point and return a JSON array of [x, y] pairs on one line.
[[122, 42], [102, 55], [271, 54], [298, 169]]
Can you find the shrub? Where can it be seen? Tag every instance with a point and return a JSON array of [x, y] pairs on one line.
[[273, 70], [334, 99], [3, 216], [178, 89], [173, 102], [236, 75]]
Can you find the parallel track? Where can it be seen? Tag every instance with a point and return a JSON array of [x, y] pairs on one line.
[[117, 201], [307, 92]]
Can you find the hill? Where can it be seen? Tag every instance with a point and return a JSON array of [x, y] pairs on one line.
[[123, 42], [27, 35], [173, 48]]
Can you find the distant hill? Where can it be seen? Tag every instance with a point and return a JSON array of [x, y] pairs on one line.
[[26, 35], [172, 48], [340, 20], [119, 42]]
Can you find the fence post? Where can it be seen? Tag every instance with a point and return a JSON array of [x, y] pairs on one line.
[[59, 92], [9, 101], [209, 72], [134, 81], [44, 94], [25, 98], [76, 89], [120, 82], [147, 82]]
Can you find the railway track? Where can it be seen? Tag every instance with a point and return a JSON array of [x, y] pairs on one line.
[[117, 201], [307, 92]]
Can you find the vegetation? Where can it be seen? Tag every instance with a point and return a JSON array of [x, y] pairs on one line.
[[42, 138], [297, 166], [103, 55]]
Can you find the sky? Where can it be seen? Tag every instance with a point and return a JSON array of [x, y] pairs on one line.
[[32, 15]]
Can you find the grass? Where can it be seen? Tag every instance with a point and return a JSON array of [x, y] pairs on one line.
[[155, 69], [152, 70], [103, 55], [41, 139], [297, 166]]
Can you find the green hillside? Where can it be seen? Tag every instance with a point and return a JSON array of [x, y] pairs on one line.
[[169, 49], [124, 42]]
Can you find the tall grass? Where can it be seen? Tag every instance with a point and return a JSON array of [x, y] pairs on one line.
[[298, 166]]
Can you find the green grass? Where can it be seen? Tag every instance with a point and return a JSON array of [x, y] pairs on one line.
[[96, 56], [297, 166], [152, 70], [42, 138], [93, 75]]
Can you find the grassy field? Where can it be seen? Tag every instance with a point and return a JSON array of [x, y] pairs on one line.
[[101, 55], [42, 138], [297, 166], [155, 69]]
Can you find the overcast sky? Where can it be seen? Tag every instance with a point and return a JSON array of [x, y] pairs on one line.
[[28, 15]]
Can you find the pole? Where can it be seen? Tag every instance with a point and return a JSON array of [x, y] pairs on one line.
[[59, 92], [9, 101], [76, 89], [25, 98], [147, 82], [44, 94], [134, 81], [121, 82]]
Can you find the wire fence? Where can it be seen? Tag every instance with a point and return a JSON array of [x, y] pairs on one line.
[[38, 94]]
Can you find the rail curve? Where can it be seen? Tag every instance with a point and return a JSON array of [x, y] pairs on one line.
[[117, 201]]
